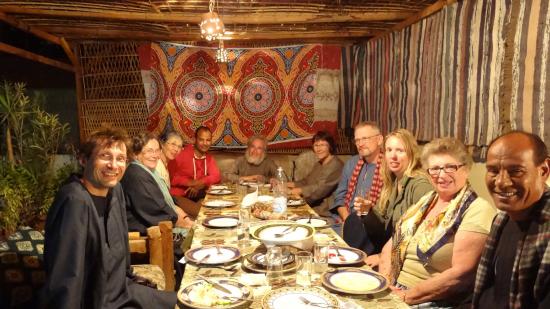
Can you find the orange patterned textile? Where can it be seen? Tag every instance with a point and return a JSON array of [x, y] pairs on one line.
[[273, 92]]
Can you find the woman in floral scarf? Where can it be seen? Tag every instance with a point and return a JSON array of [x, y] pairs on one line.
[[433, 254]]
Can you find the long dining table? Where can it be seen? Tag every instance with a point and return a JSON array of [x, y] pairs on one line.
[[203, 236]]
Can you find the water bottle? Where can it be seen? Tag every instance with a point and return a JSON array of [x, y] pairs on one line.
[[280, 193]]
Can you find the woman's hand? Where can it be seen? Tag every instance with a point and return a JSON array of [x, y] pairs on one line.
[[401, 293], [373, 260], [183, 219]]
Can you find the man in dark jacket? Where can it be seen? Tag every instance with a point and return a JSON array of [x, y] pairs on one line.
[[86, 252]]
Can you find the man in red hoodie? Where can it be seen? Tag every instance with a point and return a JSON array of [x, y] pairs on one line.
[[194, 170]]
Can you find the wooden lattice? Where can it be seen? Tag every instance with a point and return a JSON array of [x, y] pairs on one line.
[[127, 114], [112, 89]]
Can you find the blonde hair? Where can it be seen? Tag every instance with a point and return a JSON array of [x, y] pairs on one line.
[[449, 146], [413, 169]]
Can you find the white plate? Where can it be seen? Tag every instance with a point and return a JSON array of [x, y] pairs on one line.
[[292, 203], [199, 294], [218, 203], [221, 222], [227, 254], [220, 191], [349, 256], [354, 281], [219, 187], [297, 234], [315, 222], [289, 297]]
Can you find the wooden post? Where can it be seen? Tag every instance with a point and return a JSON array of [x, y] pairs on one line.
[[168, 254]]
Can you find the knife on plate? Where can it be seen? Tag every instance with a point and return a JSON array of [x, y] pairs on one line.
[[214, 284], [206, 257]]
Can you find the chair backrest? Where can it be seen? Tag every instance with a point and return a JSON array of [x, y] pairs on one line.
[[158, 245]]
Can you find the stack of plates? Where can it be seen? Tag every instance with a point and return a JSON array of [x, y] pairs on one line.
[[354, 281]]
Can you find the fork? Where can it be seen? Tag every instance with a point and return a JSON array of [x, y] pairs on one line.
[[339, 255], [288, 230], [308, 302], [218, 250]]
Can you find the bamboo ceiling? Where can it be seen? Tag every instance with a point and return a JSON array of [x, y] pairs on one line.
[[245, 20]]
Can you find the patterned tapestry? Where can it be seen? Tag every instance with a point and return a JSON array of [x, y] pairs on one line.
[[285, 93], [438, 77]]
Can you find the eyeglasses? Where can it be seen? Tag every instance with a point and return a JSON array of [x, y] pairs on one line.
[[449, 168], [150, 151], [178, 146], [320, 145], [105, 157], [364, 139]]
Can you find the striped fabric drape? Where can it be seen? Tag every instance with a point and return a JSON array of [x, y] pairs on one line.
[[438, 77], [530, 67]]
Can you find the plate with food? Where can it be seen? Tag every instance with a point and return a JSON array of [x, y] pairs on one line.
[[224, 293], [295, 202], [221, 222], [218, 203], [220, 191], [264, 211], [212, 255], [298, 297], [340, 256], [354, 281], [316, 222]]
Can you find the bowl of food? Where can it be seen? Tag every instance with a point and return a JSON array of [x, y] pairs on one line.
[[285, 233], [264, 211]]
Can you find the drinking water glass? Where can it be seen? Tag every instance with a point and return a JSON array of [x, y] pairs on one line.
[[320, 257], [304, 266], [274, 259], [243, 236]]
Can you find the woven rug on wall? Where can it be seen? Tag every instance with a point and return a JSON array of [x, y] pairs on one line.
[[285, 93]]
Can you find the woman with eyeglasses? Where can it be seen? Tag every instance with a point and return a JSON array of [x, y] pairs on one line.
[[148, 200], [432, 256], [405, 182], [171, 144], [317, 187]]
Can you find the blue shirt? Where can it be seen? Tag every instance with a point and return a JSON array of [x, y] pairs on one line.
[[364, 181]]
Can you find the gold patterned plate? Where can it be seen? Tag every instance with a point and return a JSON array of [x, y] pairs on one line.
[[218, 203], [221, 222], [354, 281], [212, 255], [293, 297], [202, 295], [258, 258], [255, 268]]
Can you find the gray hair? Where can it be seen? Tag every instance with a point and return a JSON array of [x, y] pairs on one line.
[[449, 146]]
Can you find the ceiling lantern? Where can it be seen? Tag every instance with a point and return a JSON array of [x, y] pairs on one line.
[[211, 24]]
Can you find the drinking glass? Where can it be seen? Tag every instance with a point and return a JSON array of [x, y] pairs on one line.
[[320, 257], [274, 259], [304, 265], [243, 236]]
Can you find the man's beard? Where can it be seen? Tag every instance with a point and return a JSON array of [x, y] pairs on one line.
[[255, 160]]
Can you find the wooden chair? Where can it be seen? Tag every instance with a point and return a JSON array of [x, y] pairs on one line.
[[158, 245]]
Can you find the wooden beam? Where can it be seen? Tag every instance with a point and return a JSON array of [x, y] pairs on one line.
[[68, 51], [194, 18], [23, 26], [86, 34], [34, 57], [430, 10]]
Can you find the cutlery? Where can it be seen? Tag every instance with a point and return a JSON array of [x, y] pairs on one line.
[[309, 220], [340, 255], [218, 250], [308, 302], [206, 257], [288, 230], [215, 284]]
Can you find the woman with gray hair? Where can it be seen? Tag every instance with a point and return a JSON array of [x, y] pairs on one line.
[[432, 256]]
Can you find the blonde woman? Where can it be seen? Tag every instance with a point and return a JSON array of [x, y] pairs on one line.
[[404, 184]]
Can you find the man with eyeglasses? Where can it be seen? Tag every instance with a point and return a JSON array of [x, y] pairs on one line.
[[514, 271], [86, 254], [361, 173], [254, 166], [194, 169]]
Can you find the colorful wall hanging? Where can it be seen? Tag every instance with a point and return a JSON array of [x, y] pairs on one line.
[[274, 92]]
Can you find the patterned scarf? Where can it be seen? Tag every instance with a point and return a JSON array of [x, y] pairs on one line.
[[376, 185], [433, 233]]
